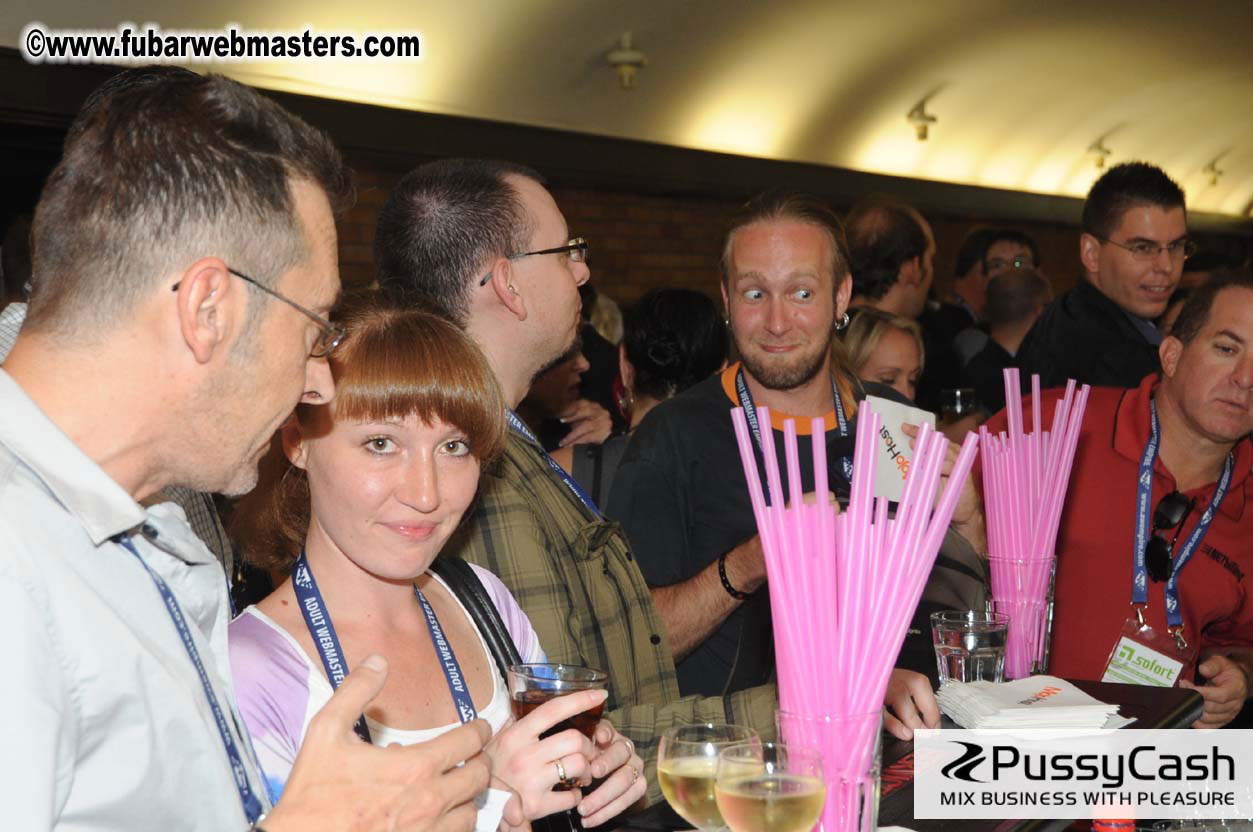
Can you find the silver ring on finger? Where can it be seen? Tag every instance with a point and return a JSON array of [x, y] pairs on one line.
[[561, 771]]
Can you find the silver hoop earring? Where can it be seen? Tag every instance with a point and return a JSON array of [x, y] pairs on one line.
[[842, 323]]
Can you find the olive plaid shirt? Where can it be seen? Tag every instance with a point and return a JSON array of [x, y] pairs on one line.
[[571, 570]]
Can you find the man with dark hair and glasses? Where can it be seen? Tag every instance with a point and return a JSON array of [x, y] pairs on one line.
[[1155, 553], [1133, 246], [485, 244]]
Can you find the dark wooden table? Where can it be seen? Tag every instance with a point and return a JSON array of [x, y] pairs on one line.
[[1151, 707]]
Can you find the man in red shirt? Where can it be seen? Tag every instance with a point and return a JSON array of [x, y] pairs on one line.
[[1202, 403]]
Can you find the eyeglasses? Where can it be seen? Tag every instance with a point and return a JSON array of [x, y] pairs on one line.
[[330, 335], [1149, 250], [1171, 512], [997, 263], [577, 248]]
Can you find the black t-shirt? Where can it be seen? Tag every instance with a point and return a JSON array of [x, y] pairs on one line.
[[1086, 336], [941, 368], [682, 499], [984, 374]]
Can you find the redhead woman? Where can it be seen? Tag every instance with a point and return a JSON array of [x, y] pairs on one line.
[[374, 484]]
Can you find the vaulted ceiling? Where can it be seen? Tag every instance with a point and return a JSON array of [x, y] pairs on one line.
[[1020, 90]]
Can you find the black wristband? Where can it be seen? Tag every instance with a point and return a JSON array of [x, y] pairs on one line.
[[726, 582]]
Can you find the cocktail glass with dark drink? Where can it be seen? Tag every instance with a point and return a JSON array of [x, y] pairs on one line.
[[531, 685]]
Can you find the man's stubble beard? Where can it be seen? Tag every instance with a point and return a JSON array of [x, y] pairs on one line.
[[575, 347], [787, 377]]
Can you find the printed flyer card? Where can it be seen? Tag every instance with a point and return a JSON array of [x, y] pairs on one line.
[[895, 455]]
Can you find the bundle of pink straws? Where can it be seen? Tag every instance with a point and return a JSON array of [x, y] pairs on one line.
[[1024, 485], [843, 587]]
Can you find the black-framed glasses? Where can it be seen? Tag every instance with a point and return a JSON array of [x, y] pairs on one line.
[[1149, 250], [996, 264], [1171, 513], [577, 249], [330, 334]]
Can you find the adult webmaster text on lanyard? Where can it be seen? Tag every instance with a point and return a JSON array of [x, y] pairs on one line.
[[1141, 655], [750, 416], [318, 620]]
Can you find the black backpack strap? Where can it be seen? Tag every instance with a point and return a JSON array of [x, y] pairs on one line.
[[465, 584]]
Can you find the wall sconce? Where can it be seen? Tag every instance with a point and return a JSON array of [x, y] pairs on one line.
[[626, 60]]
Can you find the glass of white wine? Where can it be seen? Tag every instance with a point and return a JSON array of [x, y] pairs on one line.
[[687, 763], [770, 787]]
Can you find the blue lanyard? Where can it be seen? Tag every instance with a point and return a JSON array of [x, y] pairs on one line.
[[318, 620], [252, 805], [520, 426], [750, 416], [1144, 497]]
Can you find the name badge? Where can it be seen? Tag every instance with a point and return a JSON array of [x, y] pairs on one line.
[[1135, 663]]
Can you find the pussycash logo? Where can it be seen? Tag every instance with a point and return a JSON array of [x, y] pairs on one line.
[[1112, 770]]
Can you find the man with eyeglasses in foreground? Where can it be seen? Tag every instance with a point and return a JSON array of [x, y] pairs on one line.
[[1158, 525], [184, 265], [1133, 244]]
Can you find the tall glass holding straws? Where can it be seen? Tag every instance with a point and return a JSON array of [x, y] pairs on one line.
[[1025, 474], [843, 587], [850, 748]]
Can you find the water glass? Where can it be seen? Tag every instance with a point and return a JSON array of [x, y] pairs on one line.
[[957, 403], [970, 645]]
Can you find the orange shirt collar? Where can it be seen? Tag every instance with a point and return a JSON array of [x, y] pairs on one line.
[[778, 417]]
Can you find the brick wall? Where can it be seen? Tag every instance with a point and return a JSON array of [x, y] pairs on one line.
[[640, 241]]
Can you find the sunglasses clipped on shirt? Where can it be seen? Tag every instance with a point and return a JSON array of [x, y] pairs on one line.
[[1171, 513]]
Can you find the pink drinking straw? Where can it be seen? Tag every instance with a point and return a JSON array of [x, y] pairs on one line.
[[1071, 445], [952, 493], [911, 513], [1013, 401], [788, 634], [800, 585], [828, 546], [862, 486]]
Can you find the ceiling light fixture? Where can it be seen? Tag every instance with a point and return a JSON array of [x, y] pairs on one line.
[[921, 119], [626, 60], [1213, 169], [1098, 152]]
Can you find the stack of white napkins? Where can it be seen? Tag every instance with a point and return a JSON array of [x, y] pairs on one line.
[[1034, 702]]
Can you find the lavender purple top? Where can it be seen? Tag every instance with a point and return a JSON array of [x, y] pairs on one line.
[[279, 689]]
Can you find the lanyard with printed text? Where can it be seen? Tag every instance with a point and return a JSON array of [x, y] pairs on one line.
[[1144, 497], [750, 416], [252, 805], [518, 425], [322, 631]]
